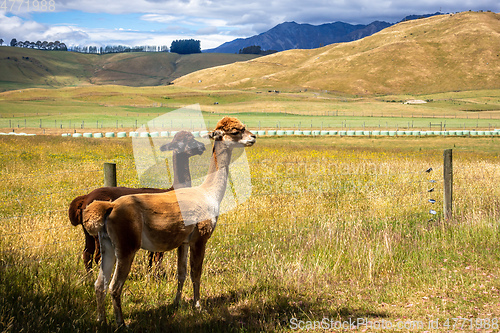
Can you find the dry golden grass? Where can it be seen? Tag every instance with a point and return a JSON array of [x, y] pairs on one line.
[[335, 229]]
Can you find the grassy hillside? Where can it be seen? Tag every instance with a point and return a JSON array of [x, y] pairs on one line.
[[441, 53], [152, 69], [23, 68], [26, 68]]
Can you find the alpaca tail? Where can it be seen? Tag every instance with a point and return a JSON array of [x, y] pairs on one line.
[[95, 215], [75, 210]]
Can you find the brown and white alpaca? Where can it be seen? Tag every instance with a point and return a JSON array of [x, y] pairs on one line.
[[162, 222], [184, 146]]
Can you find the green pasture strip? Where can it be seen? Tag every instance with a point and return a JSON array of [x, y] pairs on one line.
[[126, 107], [76, 115], [287, 121], [335, 228]]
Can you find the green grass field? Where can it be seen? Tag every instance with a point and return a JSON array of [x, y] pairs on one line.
[[124, 108], [336, 228]]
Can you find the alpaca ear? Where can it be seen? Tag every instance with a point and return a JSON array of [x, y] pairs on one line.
[[216, 135], [165, 147], [171, 146]]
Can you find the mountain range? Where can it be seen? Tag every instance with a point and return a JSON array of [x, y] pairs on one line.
[[292, 35]]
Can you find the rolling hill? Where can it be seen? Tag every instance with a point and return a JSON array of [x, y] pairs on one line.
[[449, 52], [26, 68]]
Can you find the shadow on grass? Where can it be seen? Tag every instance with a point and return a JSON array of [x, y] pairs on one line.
[[54, 297], [45, 298], [240, 311]]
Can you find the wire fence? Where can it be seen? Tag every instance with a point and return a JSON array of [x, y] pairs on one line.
[[302, 119], [288, 197]]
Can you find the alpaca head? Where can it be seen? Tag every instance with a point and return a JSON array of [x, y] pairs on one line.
[[184, 143], [232, 132]]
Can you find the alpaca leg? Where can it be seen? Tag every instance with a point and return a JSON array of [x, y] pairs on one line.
[[116, 287], [126, 243], [87, 260], [155, 258], [97, 255], [88, 251], [158, 258], [197, 255], [182, 254], [151, 256], [101, 284]]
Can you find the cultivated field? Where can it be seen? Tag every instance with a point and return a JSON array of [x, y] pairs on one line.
[[336, 228]]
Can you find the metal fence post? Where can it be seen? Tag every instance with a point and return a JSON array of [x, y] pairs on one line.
[[448, 184], [110, 174]]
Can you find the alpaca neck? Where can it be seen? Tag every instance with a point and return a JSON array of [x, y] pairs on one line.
[[182, 174], [218, 172]]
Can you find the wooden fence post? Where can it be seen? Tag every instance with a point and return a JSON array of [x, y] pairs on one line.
[[448, 184], [110, 174]]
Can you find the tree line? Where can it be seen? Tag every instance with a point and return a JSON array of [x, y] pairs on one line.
[[45, 45], [255, 49], [185, 46], [118, 49]]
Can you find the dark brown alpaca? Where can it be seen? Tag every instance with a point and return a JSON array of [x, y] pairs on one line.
[[183, 146]]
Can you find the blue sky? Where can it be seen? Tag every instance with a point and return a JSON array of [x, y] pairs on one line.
[[213, 22]]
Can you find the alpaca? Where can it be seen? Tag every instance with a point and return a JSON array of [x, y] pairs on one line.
[[164, 221], [183, 146]]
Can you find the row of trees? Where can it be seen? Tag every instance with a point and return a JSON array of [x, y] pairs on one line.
[[54, 46], [118, 49], [255, 49], [185, 46]]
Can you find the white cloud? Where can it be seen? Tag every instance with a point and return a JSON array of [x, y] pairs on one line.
[[207, 31], [14, 25], [160, 18], [63, 33]]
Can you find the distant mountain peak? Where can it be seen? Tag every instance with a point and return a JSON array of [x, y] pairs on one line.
[[292, 35]]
